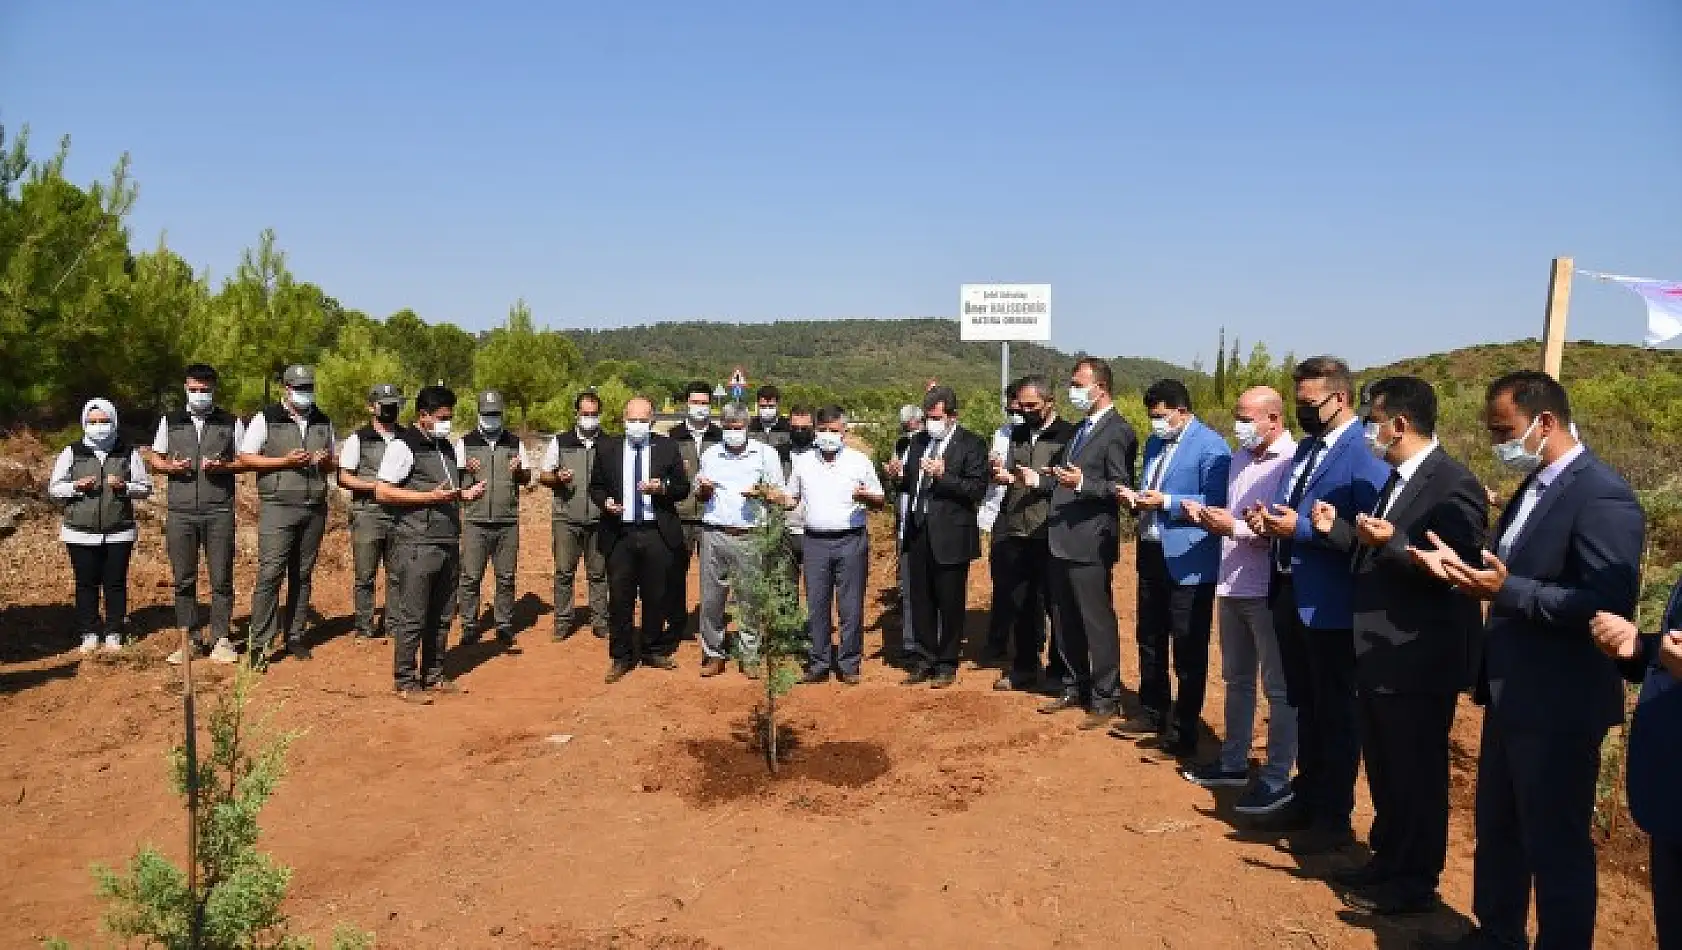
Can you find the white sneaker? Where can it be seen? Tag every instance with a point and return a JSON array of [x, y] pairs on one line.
[[223, 652], [90, 643], [176, 658], [113, 643]]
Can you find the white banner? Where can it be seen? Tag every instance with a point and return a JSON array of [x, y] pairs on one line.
[[1004, 313]]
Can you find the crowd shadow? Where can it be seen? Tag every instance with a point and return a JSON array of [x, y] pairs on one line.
[[38, 631], [16, 681]]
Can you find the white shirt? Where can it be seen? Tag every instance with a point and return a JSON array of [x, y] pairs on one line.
[[160, 442], [826, 486], [1326, 442], [257, 434], [733, 473], [399, 461], [350, 454], [552, 453], [991, 504], [1532, 495], [1151, 525], [1404, 474], [627, 473], [62, 487], [936, 449], [1090, 423]]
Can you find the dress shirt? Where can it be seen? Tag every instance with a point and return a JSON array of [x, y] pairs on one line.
[[1151, 525], [1532, 495], [257, 433], [627, 471], [733, 473], [62, 487], [1245, 557], [1404, 474], [937, 449], [826, 487]]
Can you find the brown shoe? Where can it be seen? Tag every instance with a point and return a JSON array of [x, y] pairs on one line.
[[1097, 719], [617, 672], [851, 679], [415, 697], [448, 687], [712, 667]]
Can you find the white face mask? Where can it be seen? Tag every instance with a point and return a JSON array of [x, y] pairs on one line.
[[491, 424], [1018, 419], [637, 431], [829, 442], [735, 438], [1081, 398], [441, 429], [1247, 435], [1516, 457], [1380, 450], [1163, 429], [699, 413], [767, 413], [303, 399], [589, 423], [200, 401], [937, 428], [99, 431]]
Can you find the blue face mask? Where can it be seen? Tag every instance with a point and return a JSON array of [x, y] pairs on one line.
[[1516, 457]]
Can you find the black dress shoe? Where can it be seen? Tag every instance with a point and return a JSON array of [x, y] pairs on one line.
[[918, 677], [1139, 725], [1318, 841], [943, 680], [1065, 701], [659, 661], [299, 651], [1008, 683], [1389, 900], [1361, 876], [1097, 719], [814, 677], [849, 679], [617, 671]]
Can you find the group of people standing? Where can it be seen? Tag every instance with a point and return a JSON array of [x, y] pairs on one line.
[[1355, 573]]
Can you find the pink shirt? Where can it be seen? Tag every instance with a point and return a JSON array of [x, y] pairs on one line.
[[1245, 571]]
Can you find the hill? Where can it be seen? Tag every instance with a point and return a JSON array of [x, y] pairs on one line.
[[841, 355], [1482, 363]]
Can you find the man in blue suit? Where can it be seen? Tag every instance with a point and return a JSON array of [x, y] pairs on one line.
[[1569, 548], [1313, 598], [1655, 738], [1178, 563]]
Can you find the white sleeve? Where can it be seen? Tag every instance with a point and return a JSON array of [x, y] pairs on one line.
[[796, 484], [139, 480], [239, 432], [60, 485], [351, 454], [160, 442], [525, 457], [771, 466], [332, 438], [872, 484], [461, 454], [397, 462], [552, 455], [256, 435]]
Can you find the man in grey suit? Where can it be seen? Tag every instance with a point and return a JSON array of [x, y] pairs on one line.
[[1084, 535]]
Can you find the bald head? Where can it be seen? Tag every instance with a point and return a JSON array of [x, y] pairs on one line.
[[639, 409], [1263, 408]]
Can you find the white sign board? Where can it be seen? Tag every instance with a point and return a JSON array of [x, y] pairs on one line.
[[1004, 313]]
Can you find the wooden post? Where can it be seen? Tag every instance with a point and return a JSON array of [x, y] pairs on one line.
[[1553, 323]]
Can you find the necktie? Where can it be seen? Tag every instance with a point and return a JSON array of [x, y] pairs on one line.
[[1080, 438], [923, 478], [1283, 547], [1391, 486], [636, 486]]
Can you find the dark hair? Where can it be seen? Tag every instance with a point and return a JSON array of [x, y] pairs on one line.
[[201, 373], [697, 388], [1100, 371], [1037, 383], [769, 391], [1011, 391], [588, 395], [941, 396], [1533, 393], [432, 398], [829, 413], [1329, 368], [1168, 392], [800, 410], [1407, 396]]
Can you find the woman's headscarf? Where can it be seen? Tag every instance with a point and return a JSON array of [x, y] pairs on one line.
[[105, 444]]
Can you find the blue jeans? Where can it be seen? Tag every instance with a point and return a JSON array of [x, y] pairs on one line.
[[1248, 644]]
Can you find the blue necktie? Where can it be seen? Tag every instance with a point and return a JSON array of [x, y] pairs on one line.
[[636, 486], [1080, 438]]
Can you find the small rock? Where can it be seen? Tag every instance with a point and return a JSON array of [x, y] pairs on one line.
[[496, 931], [559, 738]]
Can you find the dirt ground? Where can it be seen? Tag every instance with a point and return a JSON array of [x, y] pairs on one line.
[[908, 817]]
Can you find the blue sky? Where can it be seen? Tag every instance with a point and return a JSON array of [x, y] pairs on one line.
[[1375, 180]]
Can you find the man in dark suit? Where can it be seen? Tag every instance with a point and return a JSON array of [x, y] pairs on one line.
[[1569, 548], [1655, 741], [946, 468], [637, 481], [1083, 534], [1411, 637], [1312, 593]]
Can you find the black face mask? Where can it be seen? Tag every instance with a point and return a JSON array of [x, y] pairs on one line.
[[1308, 417], [802, 437], [388, 414]]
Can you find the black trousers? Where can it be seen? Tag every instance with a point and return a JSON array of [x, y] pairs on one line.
[[676, 612], [1404, 740], [1535, 830], [1320, 683], [100, 567], [1084, 621], [427, 575], [1021, 569], [937, 602], [1178, 617], [186, 535], [1667, 892], [639, 569]]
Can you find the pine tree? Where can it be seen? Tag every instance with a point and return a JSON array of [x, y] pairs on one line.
[[769, 600]]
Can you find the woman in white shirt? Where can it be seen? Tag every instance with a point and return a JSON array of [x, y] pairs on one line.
[[96, 480]]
